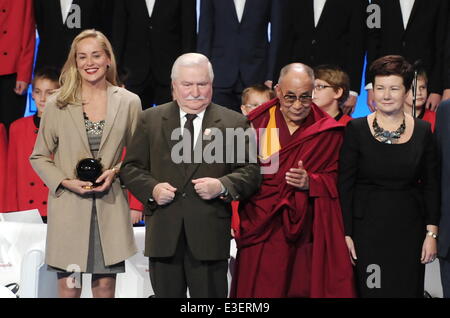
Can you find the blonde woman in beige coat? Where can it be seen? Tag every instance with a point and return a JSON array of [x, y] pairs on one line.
[[89, 228]]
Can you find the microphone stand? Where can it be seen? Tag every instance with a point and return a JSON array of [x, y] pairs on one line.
[[414, 91]]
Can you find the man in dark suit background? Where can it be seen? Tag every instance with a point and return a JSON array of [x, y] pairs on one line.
[[187, 204], [320, 32], [415, 29], [234, 36], [442, 134], [446, 94], [60, 21], [147, 37]]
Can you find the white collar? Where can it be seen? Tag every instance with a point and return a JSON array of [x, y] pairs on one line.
[[199, 115]]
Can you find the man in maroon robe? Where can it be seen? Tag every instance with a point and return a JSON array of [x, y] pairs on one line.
[[291, 241]]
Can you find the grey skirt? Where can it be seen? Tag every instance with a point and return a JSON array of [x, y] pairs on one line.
[[95, 262]]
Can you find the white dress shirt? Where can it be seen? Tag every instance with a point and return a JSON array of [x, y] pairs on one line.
[[65, 9], [197, 123], [150, 5], [240, 5], [318, 9], [406, 6]]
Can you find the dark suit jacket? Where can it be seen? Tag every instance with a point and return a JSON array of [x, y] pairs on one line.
[[442, 134], [423, 38], [338, 39], [148, 162], [55, 37], [240, 48], [447, 57], [143, 44]]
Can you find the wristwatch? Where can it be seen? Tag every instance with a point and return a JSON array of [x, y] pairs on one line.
[[432, 234], [152, 203]]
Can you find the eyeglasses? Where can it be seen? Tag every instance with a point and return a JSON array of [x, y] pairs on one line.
[[251, 106], [321, 87], [290, 99]]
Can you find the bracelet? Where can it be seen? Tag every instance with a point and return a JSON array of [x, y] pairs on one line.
[[115, 170], [432, 234]]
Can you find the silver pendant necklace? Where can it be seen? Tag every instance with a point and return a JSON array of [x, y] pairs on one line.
[[386, 136]]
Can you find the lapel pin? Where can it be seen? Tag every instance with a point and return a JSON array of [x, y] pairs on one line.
[[207, 132]]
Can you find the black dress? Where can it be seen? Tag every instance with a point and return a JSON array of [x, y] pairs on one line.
[[389, 193]]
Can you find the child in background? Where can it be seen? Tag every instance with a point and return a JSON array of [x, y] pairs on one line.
[[252, 97], [331, 90], [25, 190], [255, 96], [421, 98]]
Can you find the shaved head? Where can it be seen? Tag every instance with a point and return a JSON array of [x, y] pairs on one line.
[[297, 69], [294, 91]]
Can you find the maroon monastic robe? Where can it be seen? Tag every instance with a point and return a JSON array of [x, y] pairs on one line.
[[345, 119], [291, 242]]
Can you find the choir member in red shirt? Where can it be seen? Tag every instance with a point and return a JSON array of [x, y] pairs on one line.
[[421, 98], [25, 189], [331, 91], [17, 40]]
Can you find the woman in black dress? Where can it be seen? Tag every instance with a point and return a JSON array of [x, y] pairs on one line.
[[389, 189]]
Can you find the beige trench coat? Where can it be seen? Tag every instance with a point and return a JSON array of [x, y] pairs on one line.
[[62, 136]]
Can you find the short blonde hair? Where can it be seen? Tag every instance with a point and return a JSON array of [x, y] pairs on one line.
[[258, 88], [70, 79]]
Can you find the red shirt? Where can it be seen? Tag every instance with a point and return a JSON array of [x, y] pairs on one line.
[[429, 116], [132, 201], [25, 190]]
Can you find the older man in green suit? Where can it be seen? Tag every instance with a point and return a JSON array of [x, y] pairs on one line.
[[187, 201]]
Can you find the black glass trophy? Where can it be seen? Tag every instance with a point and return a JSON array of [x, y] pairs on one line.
[[89, 169]]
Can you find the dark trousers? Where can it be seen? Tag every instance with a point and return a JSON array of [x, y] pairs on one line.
[[445, 276], [12, 106], [172, 276], [229, 97], [151, 92]]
